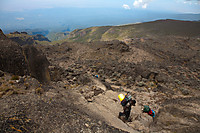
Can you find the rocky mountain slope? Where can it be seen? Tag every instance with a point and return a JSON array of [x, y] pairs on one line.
[[148, 29], [162, 72], [158, 73]]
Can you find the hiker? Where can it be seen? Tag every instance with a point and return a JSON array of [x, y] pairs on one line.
[[126, 102], [149, 111]]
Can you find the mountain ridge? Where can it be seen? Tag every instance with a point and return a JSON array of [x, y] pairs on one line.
[[159, 28]]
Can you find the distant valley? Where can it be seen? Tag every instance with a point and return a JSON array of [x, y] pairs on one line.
[[62, 20]]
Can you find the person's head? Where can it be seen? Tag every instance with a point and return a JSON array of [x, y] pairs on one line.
[[132, 102]]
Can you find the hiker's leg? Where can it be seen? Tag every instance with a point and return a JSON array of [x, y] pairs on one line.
[[127, 113]]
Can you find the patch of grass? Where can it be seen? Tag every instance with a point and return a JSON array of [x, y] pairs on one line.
[[39, 90], [9, 90]]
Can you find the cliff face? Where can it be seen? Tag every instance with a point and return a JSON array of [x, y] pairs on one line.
[[37, 63], [21, 61]]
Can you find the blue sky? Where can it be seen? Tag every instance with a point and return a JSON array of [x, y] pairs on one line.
[[63, 14], [181, 6]]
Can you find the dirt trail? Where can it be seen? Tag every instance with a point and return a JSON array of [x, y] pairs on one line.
[[105, 105]]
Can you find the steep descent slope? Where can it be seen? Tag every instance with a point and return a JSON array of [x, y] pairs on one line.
[[155, 71]]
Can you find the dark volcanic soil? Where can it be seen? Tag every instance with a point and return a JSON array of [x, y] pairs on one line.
[[46, 114]]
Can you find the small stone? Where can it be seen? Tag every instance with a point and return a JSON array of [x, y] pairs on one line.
[[130, 78], [86, 125], [90, 100], [74, 79]]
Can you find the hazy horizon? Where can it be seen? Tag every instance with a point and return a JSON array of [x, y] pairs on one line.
[[59, 15]]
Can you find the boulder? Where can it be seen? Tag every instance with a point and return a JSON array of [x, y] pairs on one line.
[[37, 63], [11, 57], [22, 61]]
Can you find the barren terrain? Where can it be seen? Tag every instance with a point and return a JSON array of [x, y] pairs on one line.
[[162, 72]]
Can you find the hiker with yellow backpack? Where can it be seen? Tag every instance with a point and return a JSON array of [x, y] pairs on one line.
[[126, 102]]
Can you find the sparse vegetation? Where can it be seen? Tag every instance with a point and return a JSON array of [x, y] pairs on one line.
[[39, 91]]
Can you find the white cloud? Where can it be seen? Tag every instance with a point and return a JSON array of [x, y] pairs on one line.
[[191, 2], [144, 6], [126, 7], [20, 18], [141, 3]]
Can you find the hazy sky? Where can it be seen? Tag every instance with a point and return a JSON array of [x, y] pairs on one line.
[[181, 6], [20, 14]]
